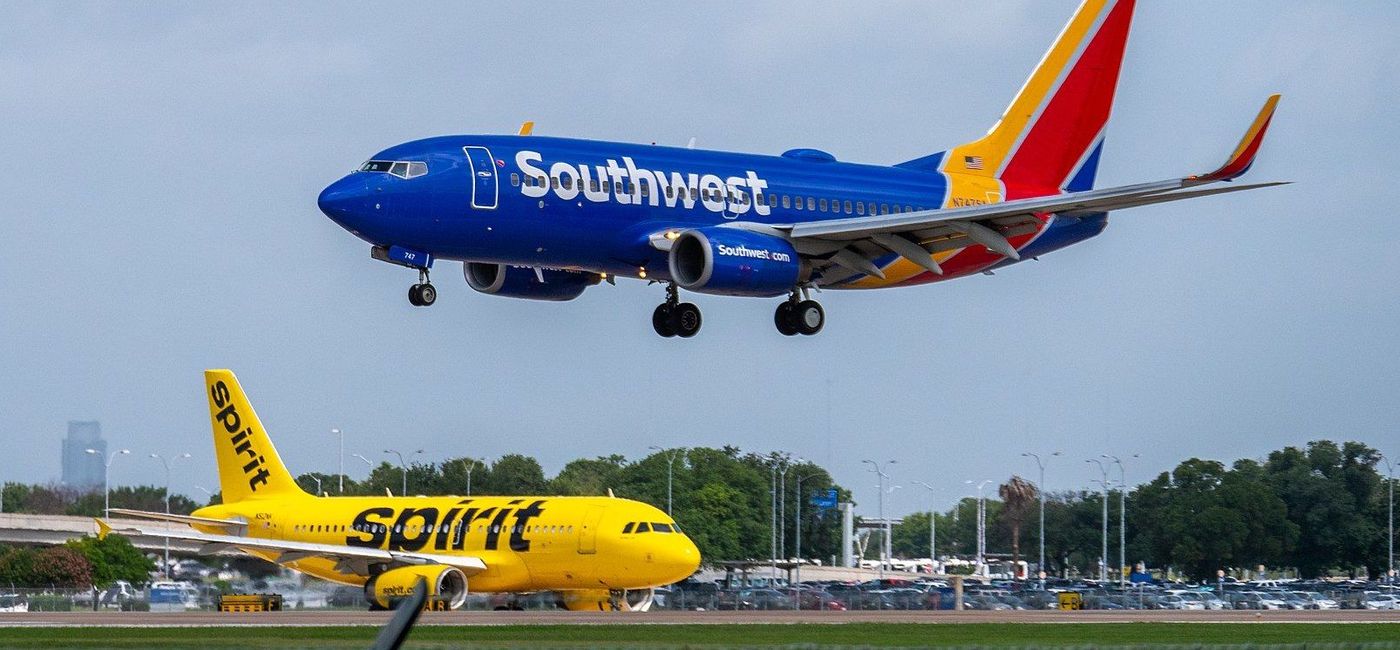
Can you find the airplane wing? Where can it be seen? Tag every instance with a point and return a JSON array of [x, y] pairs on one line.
[[351, 559], [852, 242], [232, 525]]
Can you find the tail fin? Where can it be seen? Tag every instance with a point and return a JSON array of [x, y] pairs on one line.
[[249, 467], [1050, 136]]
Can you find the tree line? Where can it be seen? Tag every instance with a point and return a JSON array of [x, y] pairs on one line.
[[1320, 509]]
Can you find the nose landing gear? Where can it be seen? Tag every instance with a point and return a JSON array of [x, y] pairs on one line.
[[798, 315], [675, 318], [422, 294]]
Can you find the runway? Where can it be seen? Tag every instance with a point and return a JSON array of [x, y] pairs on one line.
[[356, 618]]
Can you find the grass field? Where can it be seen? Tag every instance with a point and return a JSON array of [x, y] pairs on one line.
[[1008, 635]]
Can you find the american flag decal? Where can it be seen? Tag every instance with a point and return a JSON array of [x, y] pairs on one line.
[[972, 162]]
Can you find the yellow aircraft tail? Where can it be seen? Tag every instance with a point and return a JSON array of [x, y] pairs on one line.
[[249, 467]]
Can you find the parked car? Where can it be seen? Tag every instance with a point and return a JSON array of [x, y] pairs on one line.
[[1381, 601]]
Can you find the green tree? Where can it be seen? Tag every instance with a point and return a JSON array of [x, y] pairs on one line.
[[590, 477], [514, 474], [63, 567], [113, 558], [1329, 492]]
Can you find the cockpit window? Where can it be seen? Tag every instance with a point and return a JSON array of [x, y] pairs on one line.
[[401, 168], [627, 529], [661, 528], [643, 528]]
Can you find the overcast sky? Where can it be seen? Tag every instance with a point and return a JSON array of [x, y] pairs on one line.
[[159, 217]]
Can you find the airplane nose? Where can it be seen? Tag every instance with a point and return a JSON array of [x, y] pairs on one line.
[[680, 559], [343, 199]]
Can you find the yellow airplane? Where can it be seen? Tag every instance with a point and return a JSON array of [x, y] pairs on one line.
[[597, 552]]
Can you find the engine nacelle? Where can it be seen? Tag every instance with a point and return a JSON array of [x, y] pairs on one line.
[[524, 282], [445, 583], [733, 262]]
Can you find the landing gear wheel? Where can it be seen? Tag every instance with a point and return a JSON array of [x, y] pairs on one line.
[[809, 317], [413, 296], [427, 295], [784, 319], [661, 321], [685, 319]]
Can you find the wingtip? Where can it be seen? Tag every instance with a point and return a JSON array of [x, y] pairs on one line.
[[1243, 156], [103, 529]]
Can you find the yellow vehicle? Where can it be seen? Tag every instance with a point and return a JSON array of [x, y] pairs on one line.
[[598, 552]]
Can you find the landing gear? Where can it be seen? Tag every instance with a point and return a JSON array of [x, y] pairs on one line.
[[676, 318], [797, 316], [422, 294]]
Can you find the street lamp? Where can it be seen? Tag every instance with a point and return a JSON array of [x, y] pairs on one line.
[[879, 469], [1390, 521], [670, 466], [470, 464], [107, 478], [1040, 487], [981, 524], [165, 462], [403, 467], [206, 491], [1103, 558], [340, 433], [932, 529], [1122, 518], [318, 483]]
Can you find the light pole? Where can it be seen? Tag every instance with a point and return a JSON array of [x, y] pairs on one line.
[[782, 509], [403, 467], [797, 523], [1040, 487], [107, 478], [470, 464], [1103, 559], [1390, 521], [340, 433], [316, 478], [932, 529], [879, 469], [165, 462], [206, 491], [670, 467], [1122, 519], [981, 524]]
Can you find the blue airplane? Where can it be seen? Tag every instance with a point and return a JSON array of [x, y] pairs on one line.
[[545, 218]]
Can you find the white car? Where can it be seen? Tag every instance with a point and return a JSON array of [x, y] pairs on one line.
[[1381, 601]]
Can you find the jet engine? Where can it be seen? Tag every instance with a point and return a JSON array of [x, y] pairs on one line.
[[603, 600], [734, 262], [446, 584], [527, 282]]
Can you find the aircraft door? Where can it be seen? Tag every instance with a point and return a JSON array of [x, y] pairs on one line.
[[588, 532], [485, 187]]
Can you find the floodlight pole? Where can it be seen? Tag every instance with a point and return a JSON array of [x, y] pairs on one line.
[[1390, 521], [107, 478], [1103, 558], [797, 523], [403, 468], [340, 433], [1122, 519], [1040, 487], [932, 530], [165, 462], [879, 469], [670, 468]]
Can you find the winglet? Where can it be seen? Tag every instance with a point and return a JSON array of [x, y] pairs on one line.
[[1243, 156], [527, 127], [102, 528]]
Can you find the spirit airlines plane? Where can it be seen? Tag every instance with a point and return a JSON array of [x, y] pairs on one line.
[[597, 552], [544, 218]]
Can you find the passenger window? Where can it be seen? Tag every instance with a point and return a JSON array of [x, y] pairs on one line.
[[416, 169], [797, 203], [670, 191], [873, 209], [643, 528], [567, 182], [554, 182], [787, 201], [772, 201], [661, 528], [762, 198], [811, 203], [399, 169], [848, 206], [646, 189], [884, 209], [821, 205], [593, 185], [908, 209]]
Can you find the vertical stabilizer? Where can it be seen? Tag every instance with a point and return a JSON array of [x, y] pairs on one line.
[[1050, 137], [249, 467]]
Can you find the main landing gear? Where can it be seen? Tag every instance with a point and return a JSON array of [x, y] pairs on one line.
[[675, 318], [799, 315], [422, 294]]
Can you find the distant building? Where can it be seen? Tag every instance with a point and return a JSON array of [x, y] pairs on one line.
[[82, 470]]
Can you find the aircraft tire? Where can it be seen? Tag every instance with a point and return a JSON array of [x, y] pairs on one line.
[[413, 298], [784, 320], [427, 295], [685, 319], [809, 317], [661, 321]]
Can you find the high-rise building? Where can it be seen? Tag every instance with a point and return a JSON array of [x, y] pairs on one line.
[[82, 470]]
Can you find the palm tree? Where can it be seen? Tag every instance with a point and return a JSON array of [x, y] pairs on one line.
[[1017, 497]]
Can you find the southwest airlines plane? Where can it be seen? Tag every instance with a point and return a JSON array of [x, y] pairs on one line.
[[545, 218], [598, 553]]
